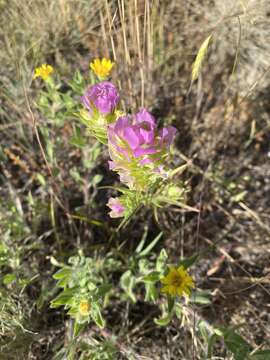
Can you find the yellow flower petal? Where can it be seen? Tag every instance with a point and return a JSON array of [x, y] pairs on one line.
[[177, 282], [43, 71], [102, 68]]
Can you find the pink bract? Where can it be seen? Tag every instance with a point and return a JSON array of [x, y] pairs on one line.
[[117, 209]]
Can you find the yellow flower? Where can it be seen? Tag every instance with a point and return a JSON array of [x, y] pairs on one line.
[[102, 68], [43, 71], [177, 282], [84, 307]]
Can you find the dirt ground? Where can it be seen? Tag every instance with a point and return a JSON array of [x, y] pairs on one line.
[[223, 123]]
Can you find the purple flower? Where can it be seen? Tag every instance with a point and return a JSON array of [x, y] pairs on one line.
[[137, 136], [136, 143], [117, 208], [102, 97]]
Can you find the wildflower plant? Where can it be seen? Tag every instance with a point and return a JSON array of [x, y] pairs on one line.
[[177, 282], [83, 289], [139, 152], [173, 281], [138, 149]]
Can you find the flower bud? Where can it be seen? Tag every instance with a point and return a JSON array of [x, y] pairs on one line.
[[117, 209], [100, 101], [102, 98]]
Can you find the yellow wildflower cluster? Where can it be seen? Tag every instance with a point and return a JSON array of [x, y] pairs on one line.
[[102, 68], [177, 282], [43, 71]]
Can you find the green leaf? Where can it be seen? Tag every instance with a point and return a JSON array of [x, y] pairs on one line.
[[90, 221], [62, 273], [200, 297], [68, 101], [171, 302], [147, 250], [239, 197], [78, 328], [62, 283], [102, 290], [77, 83], [64, 298], [178, 310], [260, 355], [236, 344], [127, 283], [211, 343], [153, 277], [163, 321], [179, 170], [73, 311], [151, 292], [143, 266], [96, 179], [142, 242], [96, 315], [161, 260], [203, 330], [80, 142], [41, 179], [140, 246], [186, 263], [9, 278]]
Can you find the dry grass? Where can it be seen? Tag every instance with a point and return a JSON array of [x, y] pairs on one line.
[[222, 130], [252, 24]]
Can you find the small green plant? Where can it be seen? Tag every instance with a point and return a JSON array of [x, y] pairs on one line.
[[234, 343], [83, 289]]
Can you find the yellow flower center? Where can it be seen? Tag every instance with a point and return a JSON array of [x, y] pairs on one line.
[[84, 307], [176, 280]]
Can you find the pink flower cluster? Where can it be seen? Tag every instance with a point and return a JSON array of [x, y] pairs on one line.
[[137, 150], [137, 147], [136, 143]]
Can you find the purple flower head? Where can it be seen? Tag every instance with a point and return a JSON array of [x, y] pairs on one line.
[[134, 135], [103, 97], [135, 144], [137, 136], [117, 209]]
